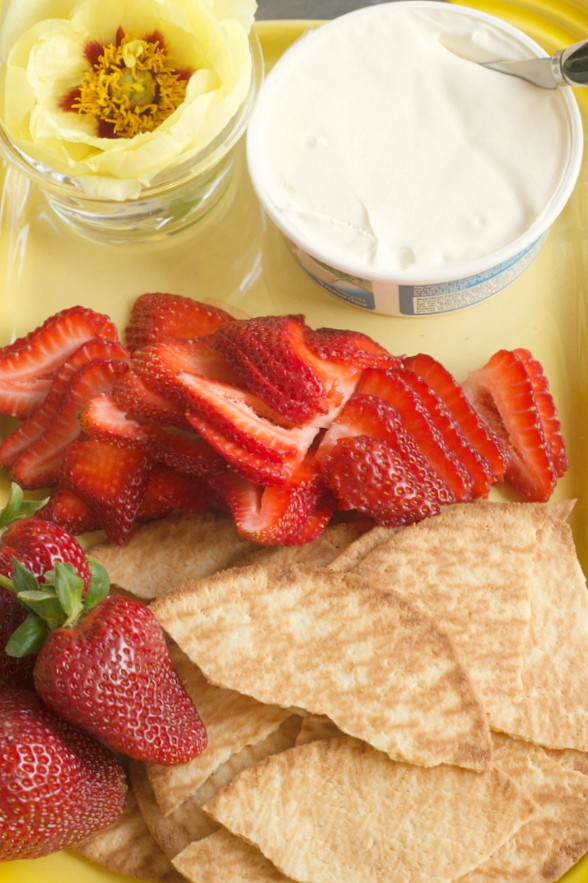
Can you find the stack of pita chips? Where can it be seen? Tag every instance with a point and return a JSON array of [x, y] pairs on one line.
[[381, 705]]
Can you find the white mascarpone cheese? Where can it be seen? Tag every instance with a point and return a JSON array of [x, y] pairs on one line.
[[383, 144]]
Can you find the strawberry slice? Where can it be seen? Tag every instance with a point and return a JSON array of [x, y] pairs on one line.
[[111, 480], [188, 453], [349, 347], [547, 410], [503, 391], [237, 424], [277, 515], [477, 432], [138, 400], [168, 490], [159, 364], [476, 466], [370, 476], [40, 464], [20, 396], [369, 417], [272, 359], [156, 316], [45, 349], [392, 387], [28, 432], [104, 419], [69, 511]]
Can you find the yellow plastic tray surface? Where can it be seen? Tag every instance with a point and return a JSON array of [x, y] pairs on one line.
[[236, 258]]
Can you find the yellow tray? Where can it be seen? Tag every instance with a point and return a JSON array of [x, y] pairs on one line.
[[237, 258]]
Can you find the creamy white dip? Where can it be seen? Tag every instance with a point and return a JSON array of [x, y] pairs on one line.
[[383, 144]]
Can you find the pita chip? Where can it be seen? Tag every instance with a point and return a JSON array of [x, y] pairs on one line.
[[337, 810], [232, 722], [177, 548], [556, 836], [127, 847], [331, 644], [468, 568], [222, 857], [552, 710], [188, 822], [319, 553]]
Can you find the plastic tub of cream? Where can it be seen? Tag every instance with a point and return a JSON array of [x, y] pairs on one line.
[[407, 178]]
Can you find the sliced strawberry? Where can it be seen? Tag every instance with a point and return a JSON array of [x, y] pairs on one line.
[[187, 452], [373, 478], [104, 419], [547, 410], [393, 388], [503, 392], [41, 352], [159, 364], [273, 360], [111, 480], [20, 396], [168, 490], [33, 428], [349, 348], [236, 424], [368, 415], [40, 464], [478, 433], [274, 515], [138, 400], [476, 466], [65, 508], [156, 317], [257, 469]]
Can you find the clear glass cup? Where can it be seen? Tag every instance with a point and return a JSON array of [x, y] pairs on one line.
[[178, 197]]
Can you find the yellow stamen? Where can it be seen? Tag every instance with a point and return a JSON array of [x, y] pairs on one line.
[[133, 87]]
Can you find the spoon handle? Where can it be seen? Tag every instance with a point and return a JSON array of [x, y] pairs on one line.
[[573, 63]]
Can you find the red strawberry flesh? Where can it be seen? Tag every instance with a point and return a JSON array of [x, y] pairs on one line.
[[503, 392], [156, 316]]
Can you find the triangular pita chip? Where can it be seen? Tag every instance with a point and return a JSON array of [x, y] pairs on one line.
[[552, 709], [339, 810], [188, 822], [222, 857], [232, 721], [127, 847], [332, 644], [160, 555], [469, 569], [553, 840], [329, 545]]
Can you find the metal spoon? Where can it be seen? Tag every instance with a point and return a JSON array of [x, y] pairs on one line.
[[568, 66]]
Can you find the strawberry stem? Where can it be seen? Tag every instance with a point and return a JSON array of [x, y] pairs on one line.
[[58, 602], [17, 507]]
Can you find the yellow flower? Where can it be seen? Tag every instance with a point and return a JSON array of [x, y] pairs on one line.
[[114, 92]]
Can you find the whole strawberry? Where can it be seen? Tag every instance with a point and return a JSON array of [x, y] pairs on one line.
[[38, 544], [15, 671], [112, 675], [58, 785]]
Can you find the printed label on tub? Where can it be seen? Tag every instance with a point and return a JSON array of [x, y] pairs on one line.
[[419, 300]]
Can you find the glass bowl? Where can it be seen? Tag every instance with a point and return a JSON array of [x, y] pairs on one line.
[[177, 198]]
